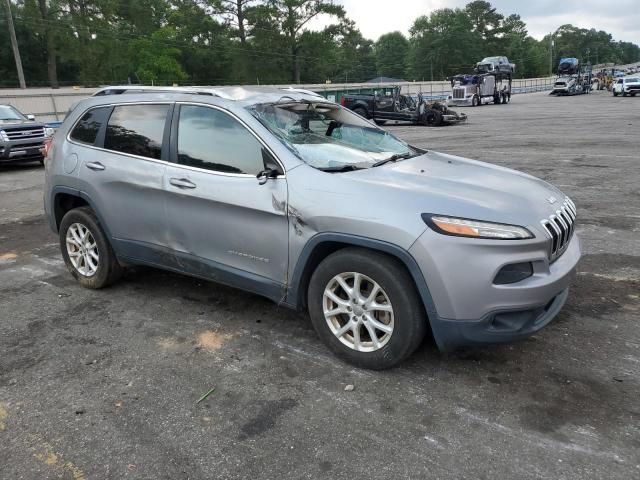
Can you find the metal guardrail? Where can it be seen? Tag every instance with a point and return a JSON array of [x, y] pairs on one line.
[[50, 105]]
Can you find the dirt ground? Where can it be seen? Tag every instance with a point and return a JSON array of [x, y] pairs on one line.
[[104, 384]]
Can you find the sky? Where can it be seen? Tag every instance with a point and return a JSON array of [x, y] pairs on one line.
[[621, 18]]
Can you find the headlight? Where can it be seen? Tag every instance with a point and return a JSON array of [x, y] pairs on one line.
[[48, 132], [464, 227]]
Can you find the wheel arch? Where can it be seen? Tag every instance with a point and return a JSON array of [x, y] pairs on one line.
[[324, 244], [64, 199]]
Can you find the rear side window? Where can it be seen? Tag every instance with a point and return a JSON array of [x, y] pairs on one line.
[[213, 140], [137, 130], [86, 130]]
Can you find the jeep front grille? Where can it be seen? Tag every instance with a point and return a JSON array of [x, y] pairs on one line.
[[25, 133], [560, 227], [458, 92]]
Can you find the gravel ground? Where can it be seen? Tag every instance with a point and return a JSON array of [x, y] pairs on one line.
[[104, 384]]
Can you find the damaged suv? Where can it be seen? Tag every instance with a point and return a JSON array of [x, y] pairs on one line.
[[287, 195]]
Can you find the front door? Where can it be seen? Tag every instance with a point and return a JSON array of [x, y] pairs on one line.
[[222, 222]]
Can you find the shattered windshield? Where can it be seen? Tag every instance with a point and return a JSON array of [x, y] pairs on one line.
[[328, 137], [7, 112]]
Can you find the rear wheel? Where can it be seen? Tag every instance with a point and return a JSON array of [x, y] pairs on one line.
[[364, 306], [86, 250]]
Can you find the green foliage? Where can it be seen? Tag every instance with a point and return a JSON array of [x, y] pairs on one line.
[[391, 55], [217, 42]]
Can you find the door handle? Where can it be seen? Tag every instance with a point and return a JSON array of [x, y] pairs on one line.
[[182, 183], [95, 166]]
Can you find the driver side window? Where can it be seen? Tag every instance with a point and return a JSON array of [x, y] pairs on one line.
[[213, 140]]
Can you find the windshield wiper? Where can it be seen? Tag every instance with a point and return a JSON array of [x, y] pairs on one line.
[[393, 158], [343, 168]]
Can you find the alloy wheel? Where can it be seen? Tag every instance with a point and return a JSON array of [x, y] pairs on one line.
[[358, 311], [82, 250]]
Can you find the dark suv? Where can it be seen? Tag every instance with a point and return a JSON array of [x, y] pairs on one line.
[[21, 137]]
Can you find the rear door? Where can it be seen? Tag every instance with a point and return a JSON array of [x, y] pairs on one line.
[[122, 164], [222, 222]]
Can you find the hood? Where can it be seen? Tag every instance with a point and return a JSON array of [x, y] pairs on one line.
[[19, 123], [449, 185]]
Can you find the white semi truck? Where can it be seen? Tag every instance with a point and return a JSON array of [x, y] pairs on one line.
[[480, 89]]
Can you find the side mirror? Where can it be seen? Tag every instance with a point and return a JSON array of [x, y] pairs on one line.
[[31, 117], [265, 175]]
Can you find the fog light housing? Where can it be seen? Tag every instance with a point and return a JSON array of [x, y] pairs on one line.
[[513, 273]]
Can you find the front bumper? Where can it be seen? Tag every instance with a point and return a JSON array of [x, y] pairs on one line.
[[21, 151], [470, 308]]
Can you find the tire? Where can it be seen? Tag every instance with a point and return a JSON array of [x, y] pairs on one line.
[[361, 111], [89, 272], [475, 101], [407, 317], [497, 100], [615, 94]]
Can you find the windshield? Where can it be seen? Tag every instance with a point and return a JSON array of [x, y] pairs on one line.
[[330, 138], [490, 60], [7, 112]]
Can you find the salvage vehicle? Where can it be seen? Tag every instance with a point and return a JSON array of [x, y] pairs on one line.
[[390, 104], [626, 86], [573, 78], [475, 90], [22, 139], [297, 199], [495, 65]]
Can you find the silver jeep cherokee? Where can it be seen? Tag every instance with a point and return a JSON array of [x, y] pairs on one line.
[[289, 196]]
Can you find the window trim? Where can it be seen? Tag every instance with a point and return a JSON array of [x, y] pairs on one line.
[[173, 143], [102, 133]]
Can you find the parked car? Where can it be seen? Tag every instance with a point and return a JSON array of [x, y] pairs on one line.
[[295, 198], [495, 64], [21, 137], [626, 86], [390, 104]]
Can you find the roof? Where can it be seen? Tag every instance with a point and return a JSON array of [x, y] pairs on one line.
[[249, 94], [386, 80]]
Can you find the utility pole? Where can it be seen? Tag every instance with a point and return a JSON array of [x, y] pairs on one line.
[[551, 56], [14, 45]]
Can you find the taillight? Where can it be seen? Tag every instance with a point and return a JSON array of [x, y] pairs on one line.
[[343, 101], [46, 146]]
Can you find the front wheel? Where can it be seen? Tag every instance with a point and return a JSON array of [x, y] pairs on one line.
[[615, 94], [365, 307], [475, 101], [86, 250]]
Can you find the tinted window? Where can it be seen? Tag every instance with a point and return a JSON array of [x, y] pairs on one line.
[[137, 129], [211, 139], [86, 130]]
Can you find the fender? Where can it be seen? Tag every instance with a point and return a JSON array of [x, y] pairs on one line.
[[76, 193], [296, 293]]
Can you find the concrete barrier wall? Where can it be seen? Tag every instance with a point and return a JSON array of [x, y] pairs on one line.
[[49, 105]]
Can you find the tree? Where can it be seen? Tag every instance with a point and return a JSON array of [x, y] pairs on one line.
[[486, 22], [156, 62], [294, 15], [442, 44], [391, 55]]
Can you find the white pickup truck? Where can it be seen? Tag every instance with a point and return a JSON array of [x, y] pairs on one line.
[[626, 86]]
